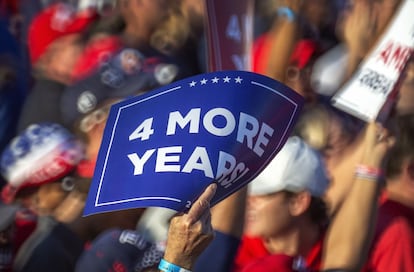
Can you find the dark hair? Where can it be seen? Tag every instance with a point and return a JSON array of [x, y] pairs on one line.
[[317, 211], [404, 145], [112, 25]]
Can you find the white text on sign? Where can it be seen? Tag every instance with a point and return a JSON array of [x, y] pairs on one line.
[[255, 135]]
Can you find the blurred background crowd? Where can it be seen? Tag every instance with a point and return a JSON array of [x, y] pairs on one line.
[[64, 63]]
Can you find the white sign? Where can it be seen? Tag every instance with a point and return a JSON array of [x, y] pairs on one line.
[[369, 92]]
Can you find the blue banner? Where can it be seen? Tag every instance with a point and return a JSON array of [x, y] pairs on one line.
[[163, 148], [229, 29]]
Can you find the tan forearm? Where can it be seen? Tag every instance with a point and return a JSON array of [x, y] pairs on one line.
[[282, 40], [350, 233], [351, 230]]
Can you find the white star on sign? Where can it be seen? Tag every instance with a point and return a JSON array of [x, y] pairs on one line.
[[215, 80], [226, 79], [203, 81], [193, 83], [238, 80]]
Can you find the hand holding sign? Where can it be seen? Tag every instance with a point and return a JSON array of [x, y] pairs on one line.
[[190, 233], [370, 93], [163, 148]]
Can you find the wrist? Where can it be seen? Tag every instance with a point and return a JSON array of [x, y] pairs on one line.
[[369, 172], [183, 261], [286, 13], [167, 266], [372, 161]]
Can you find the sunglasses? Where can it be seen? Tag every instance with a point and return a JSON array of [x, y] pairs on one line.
[[96, 117]]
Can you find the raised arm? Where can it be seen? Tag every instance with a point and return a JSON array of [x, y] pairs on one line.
[[358, 33], [350, 233], [281, 38], [189, 234]]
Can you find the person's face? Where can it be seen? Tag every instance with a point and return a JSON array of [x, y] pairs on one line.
[[337, 139], [268, 215], [93, 125], [299, 80], [61, 57], [48, 198]]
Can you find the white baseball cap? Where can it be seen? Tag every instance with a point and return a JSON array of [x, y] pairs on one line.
[[297, 167]]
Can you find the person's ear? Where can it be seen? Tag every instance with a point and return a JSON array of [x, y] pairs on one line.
[[299, 203]]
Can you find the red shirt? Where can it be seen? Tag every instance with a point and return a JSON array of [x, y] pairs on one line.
[[262, 46], [393, 244], [276, 262], [252, 249]]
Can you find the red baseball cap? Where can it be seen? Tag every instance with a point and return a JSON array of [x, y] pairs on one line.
[[55, 22], [98, 51]]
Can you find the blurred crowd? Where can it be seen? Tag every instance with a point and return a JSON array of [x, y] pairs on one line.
[[338, 197]]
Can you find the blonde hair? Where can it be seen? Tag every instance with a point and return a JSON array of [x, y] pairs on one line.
[[172, 33], [313, 126]]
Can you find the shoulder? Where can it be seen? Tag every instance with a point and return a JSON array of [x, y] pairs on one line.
[[51, 246], [393, 245], [392, 219]]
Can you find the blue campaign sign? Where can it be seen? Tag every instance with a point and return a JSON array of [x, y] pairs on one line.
[[163, 148]]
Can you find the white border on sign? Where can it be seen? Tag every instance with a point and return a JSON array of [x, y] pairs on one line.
[[97, 204]]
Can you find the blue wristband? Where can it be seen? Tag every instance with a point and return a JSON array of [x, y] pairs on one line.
[[169, 267], [286, 12]]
